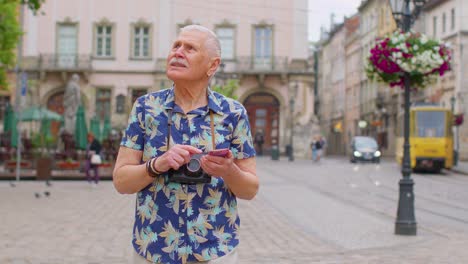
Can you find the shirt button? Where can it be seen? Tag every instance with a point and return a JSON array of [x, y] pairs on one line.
[[183, 210]]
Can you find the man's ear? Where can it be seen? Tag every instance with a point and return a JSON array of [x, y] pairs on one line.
[[214, 64]]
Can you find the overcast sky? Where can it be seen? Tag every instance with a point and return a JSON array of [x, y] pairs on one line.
[[320, 10]]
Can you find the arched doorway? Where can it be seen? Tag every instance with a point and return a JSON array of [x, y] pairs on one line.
[[263, 111], [55, 103]]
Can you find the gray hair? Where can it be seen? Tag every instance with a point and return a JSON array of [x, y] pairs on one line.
[[212, 42]]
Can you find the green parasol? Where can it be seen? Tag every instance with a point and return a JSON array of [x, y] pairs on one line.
[[45, 128], [10, 125], [94, 127], [36, 113], [81, 129], [6, 119]]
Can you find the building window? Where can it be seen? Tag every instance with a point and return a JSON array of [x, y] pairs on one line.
[[452, 26], [226, 38], [104, 41], [434, 26], [444, 22], [136, 93], [141, 41], [4, 102], [263, 46], [120, 104], [103, 103], [67, 45]]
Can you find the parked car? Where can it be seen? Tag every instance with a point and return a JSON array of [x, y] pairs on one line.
[[364, 149]]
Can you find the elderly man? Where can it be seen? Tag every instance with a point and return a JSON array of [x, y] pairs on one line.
[[177, 221]]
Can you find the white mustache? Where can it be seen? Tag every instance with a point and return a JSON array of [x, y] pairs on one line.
[[178, 60]]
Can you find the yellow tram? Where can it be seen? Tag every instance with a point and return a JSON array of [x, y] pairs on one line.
[[430, 138]]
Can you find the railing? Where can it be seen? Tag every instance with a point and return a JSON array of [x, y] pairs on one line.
[[55, 62], [250, 64]]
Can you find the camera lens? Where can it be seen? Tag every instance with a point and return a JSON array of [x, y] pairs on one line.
[[194, 166]]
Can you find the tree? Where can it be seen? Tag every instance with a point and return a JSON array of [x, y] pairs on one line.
[[229, 89], [10, 33]]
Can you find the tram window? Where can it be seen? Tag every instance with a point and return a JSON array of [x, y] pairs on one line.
[[430, 124]]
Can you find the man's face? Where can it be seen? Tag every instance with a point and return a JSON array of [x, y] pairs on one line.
[[188, 58]]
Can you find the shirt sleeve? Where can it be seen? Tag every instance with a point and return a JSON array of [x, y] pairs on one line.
[[242, 143], [134, 133]]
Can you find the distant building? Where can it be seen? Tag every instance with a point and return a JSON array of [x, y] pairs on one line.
[[119, 51], [448, 20]]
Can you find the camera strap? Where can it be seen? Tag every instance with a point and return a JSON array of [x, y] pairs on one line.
[[169, 124]]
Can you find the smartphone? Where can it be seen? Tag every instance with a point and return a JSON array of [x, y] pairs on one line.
[[219, 152]]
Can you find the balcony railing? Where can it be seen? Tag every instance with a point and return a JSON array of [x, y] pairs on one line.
[[249, 64], [58, 62]]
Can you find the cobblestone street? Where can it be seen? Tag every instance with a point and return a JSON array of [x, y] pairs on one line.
[[290, 221]]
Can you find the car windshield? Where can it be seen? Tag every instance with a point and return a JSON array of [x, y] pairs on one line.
[[366, 143]]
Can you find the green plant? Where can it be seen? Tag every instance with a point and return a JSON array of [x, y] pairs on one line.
[[10, 32], [42, 144], [229, 89]]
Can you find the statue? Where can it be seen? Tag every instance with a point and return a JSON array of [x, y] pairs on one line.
[[71, 101]]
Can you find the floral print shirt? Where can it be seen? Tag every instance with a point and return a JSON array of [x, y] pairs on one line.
[[176, 223]]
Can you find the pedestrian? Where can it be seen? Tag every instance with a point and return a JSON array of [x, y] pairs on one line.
[[314, 149], [318, 148], [259, 140], [176, 221], [92, 148]]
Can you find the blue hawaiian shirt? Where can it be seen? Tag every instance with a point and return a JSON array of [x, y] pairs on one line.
[[176, 223]]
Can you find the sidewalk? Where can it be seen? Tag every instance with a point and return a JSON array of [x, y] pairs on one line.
[[462, 167]]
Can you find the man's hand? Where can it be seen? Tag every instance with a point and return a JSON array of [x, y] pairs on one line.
[[218, 166], [175, 157]]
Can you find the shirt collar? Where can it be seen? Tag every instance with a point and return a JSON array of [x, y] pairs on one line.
[[213, 102]]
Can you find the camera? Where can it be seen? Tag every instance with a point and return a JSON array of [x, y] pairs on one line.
[[190, 173]]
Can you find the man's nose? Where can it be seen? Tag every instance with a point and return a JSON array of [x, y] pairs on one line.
[[179, 52]]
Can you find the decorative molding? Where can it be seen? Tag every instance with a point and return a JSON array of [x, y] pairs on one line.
[[261, 80], [264, 23], [225, 23], [142, 22], [68, 20], [104, 21]]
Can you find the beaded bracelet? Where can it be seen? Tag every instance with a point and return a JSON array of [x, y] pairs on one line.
[[150, 169]]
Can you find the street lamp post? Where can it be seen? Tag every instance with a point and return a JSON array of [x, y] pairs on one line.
[[406, 223], [455, 150], [291, 111]]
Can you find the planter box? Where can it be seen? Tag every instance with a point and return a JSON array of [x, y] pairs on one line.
[[11, 164], [106, 165], [43, 168], [68, 165]]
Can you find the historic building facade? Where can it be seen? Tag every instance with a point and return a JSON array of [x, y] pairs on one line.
[[352, 79], [447, 20], [119, 52]]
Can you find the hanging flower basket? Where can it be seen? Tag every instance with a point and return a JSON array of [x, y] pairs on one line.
[[423, 58], [458, 120]]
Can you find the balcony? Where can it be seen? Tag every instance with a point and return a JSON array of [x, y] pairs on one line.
[[58, 62], [253, 65]]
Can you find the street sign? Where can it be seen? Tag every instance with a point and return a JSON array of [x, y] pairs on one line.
[[24, 83]]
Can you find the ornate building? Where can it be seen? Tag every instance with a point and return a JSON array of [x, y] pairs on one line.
[[119, 52]]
